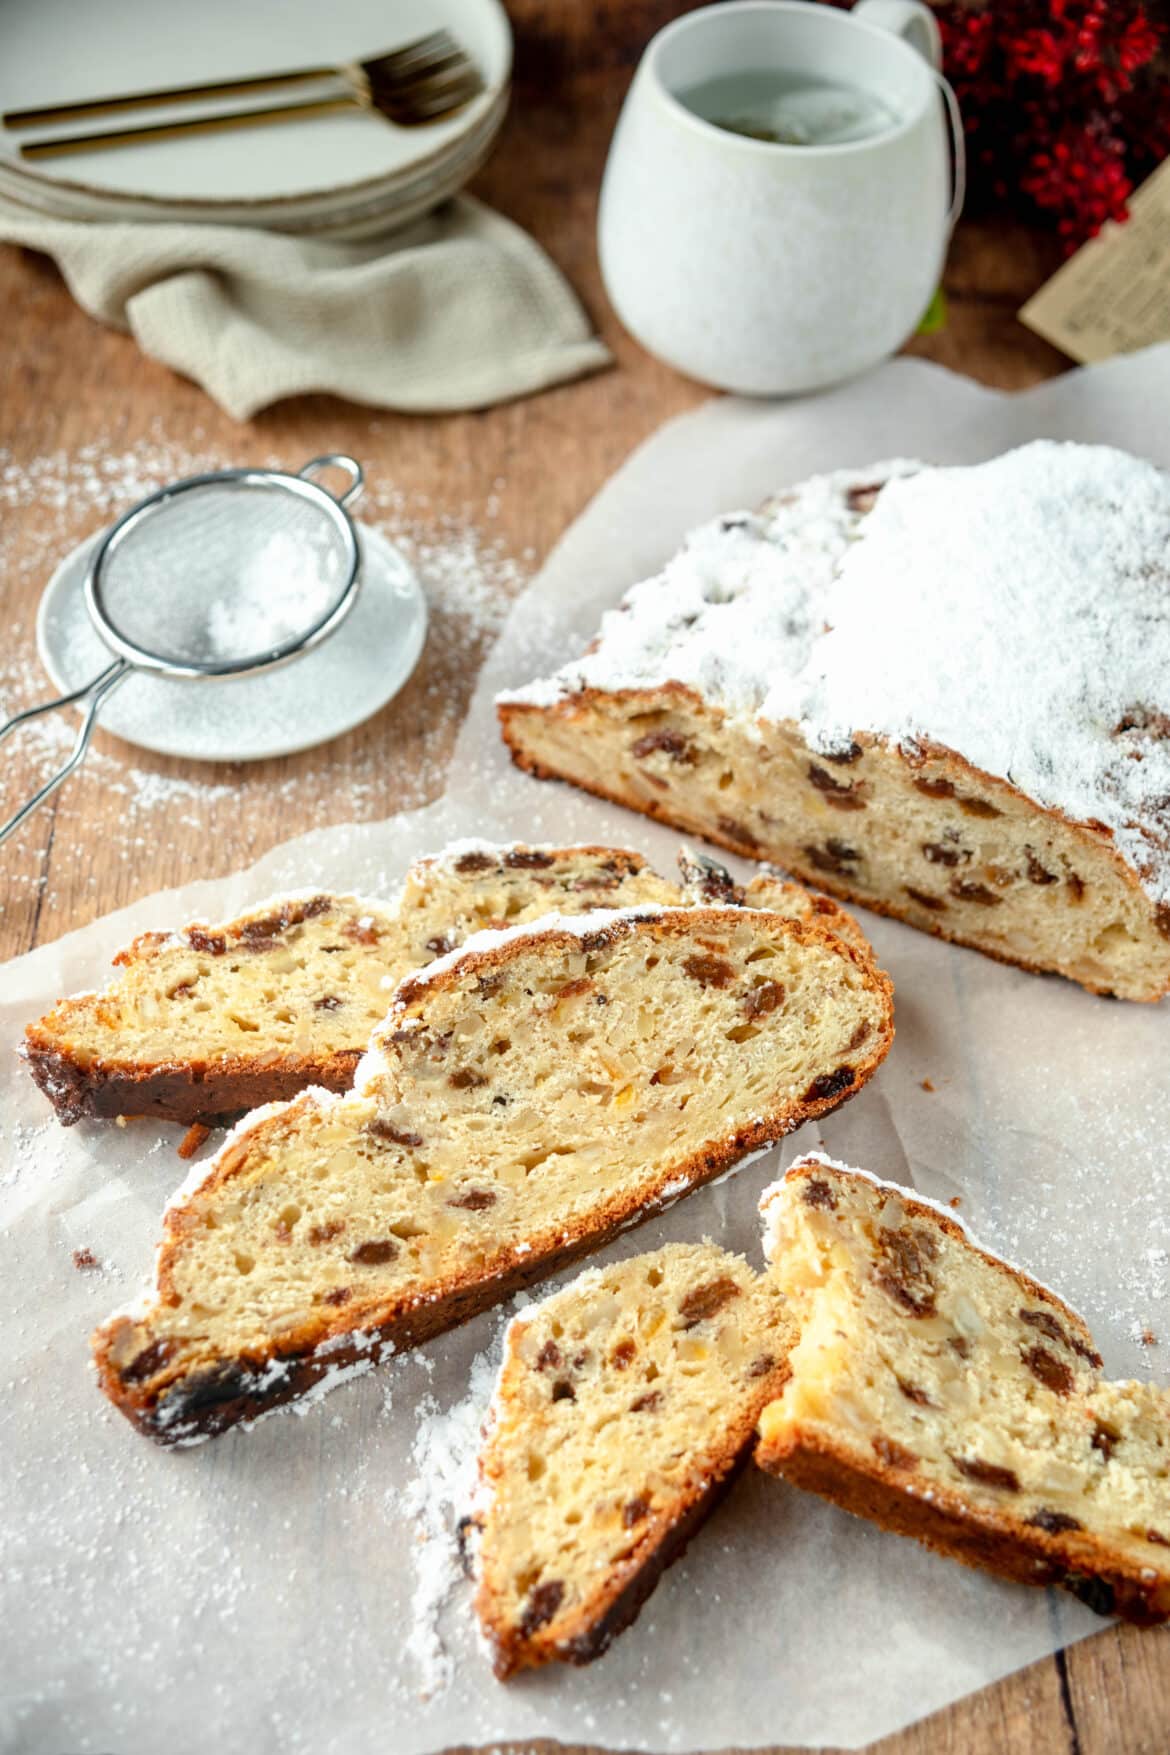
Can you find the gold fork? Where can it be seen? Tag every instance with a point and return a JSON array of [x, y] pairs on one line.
[[422, 82]]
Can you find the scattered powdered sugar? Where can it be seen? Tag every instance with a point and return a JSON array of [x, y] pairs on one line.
[[1016, 611], [1108, 1257], [445, 1455], [269, 1578]]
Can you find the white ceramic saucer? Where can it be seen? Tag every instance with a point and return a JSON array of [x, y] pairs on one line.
[[331, 689]]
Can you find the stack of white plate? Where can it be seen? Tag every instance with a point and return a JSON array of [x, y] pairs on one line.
[[346, 175]]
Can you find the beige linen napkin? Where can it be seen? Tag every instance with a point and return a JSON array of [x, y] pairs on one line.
[[460, 310]]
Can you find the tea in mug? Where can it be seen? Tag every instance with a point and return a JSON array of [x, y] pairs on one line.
[[789, 109]]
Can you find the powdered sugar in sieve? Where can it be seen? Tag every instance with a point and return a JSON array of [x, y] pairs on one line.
[[219, 577], [327, 692]]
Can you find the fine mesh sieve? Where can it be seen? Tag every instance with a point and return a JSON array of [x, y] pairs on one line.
[[218, 576]]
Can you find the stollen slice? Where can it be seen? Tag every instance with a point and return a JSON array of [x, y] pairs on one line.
[[527, 1098], [212, 1020], [626, 1405], [942, 1393]]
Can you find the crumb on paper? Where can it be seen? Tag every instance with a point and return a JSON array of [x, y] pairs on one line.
[[1149, 1338], [85, 1261], [955, 1201], [927, 1085], [193, 1139]]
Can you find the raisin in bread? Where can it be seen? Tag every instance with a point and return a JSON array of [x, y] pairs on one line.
[[625, 1405], [705, 880], [202, 1024], [944, 693], [525, 1099], [941, 1393]]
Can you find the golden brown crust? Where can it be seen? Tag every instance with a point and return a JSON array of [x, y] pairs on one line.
[[589, 1635], [168, 1407], [213, 1092], [171, 1407], [674, 1477], [216, 1089], [1094, 1571], [883, 1484], [209, 1402], [511, 715], [161, 1406], [219, 1089]]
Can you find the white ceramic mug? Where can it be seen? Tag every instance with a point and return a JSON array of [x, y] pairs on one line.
[[765, 268]]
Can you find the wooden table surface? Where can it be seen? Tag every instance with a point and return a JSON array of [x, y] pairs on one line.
[[504, 484]]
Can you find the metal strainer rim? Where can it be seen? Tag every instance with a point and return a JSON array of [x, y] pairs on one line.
[[298, 485]]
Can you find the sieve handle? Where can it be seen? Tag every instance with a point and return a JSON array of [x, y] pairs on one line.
[[337, 460], [94, 693]]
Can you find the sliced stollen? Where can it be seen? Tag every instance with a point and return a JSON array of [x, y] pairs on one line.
[[941, 1393], [625, 1406], [203, 1023], [943, 693], [215, 1019], [526, 1098]]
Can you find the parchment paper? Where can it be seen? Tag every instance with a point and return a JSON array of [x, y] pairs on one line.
[[262, 1592]]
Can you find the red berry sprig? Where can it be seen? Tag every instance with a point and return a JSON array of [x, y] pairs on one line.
[[1066, 103]]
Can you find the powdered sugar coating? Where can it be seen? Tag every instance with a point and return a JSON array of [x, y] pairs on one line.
[[1037, 587], [737, 612], [446, 857], [1014, 611]]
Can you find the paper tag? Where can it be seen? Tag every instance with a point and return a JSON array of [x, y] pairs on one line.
[[1113, 296]]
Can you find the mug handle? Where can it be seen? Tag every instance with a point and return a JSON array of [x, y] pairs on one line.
[[917, 26], [908, 19]]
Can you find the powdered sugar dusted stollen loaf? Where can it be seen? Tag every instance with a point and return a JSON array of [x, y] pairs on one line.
[[527, 1097], [946, 1395], [944, 693], [625, 1405], [205, 1022]]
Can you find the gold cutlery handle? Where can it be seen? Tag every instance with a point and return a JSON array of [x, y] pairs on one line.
[[67, 143], [170, 94]]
